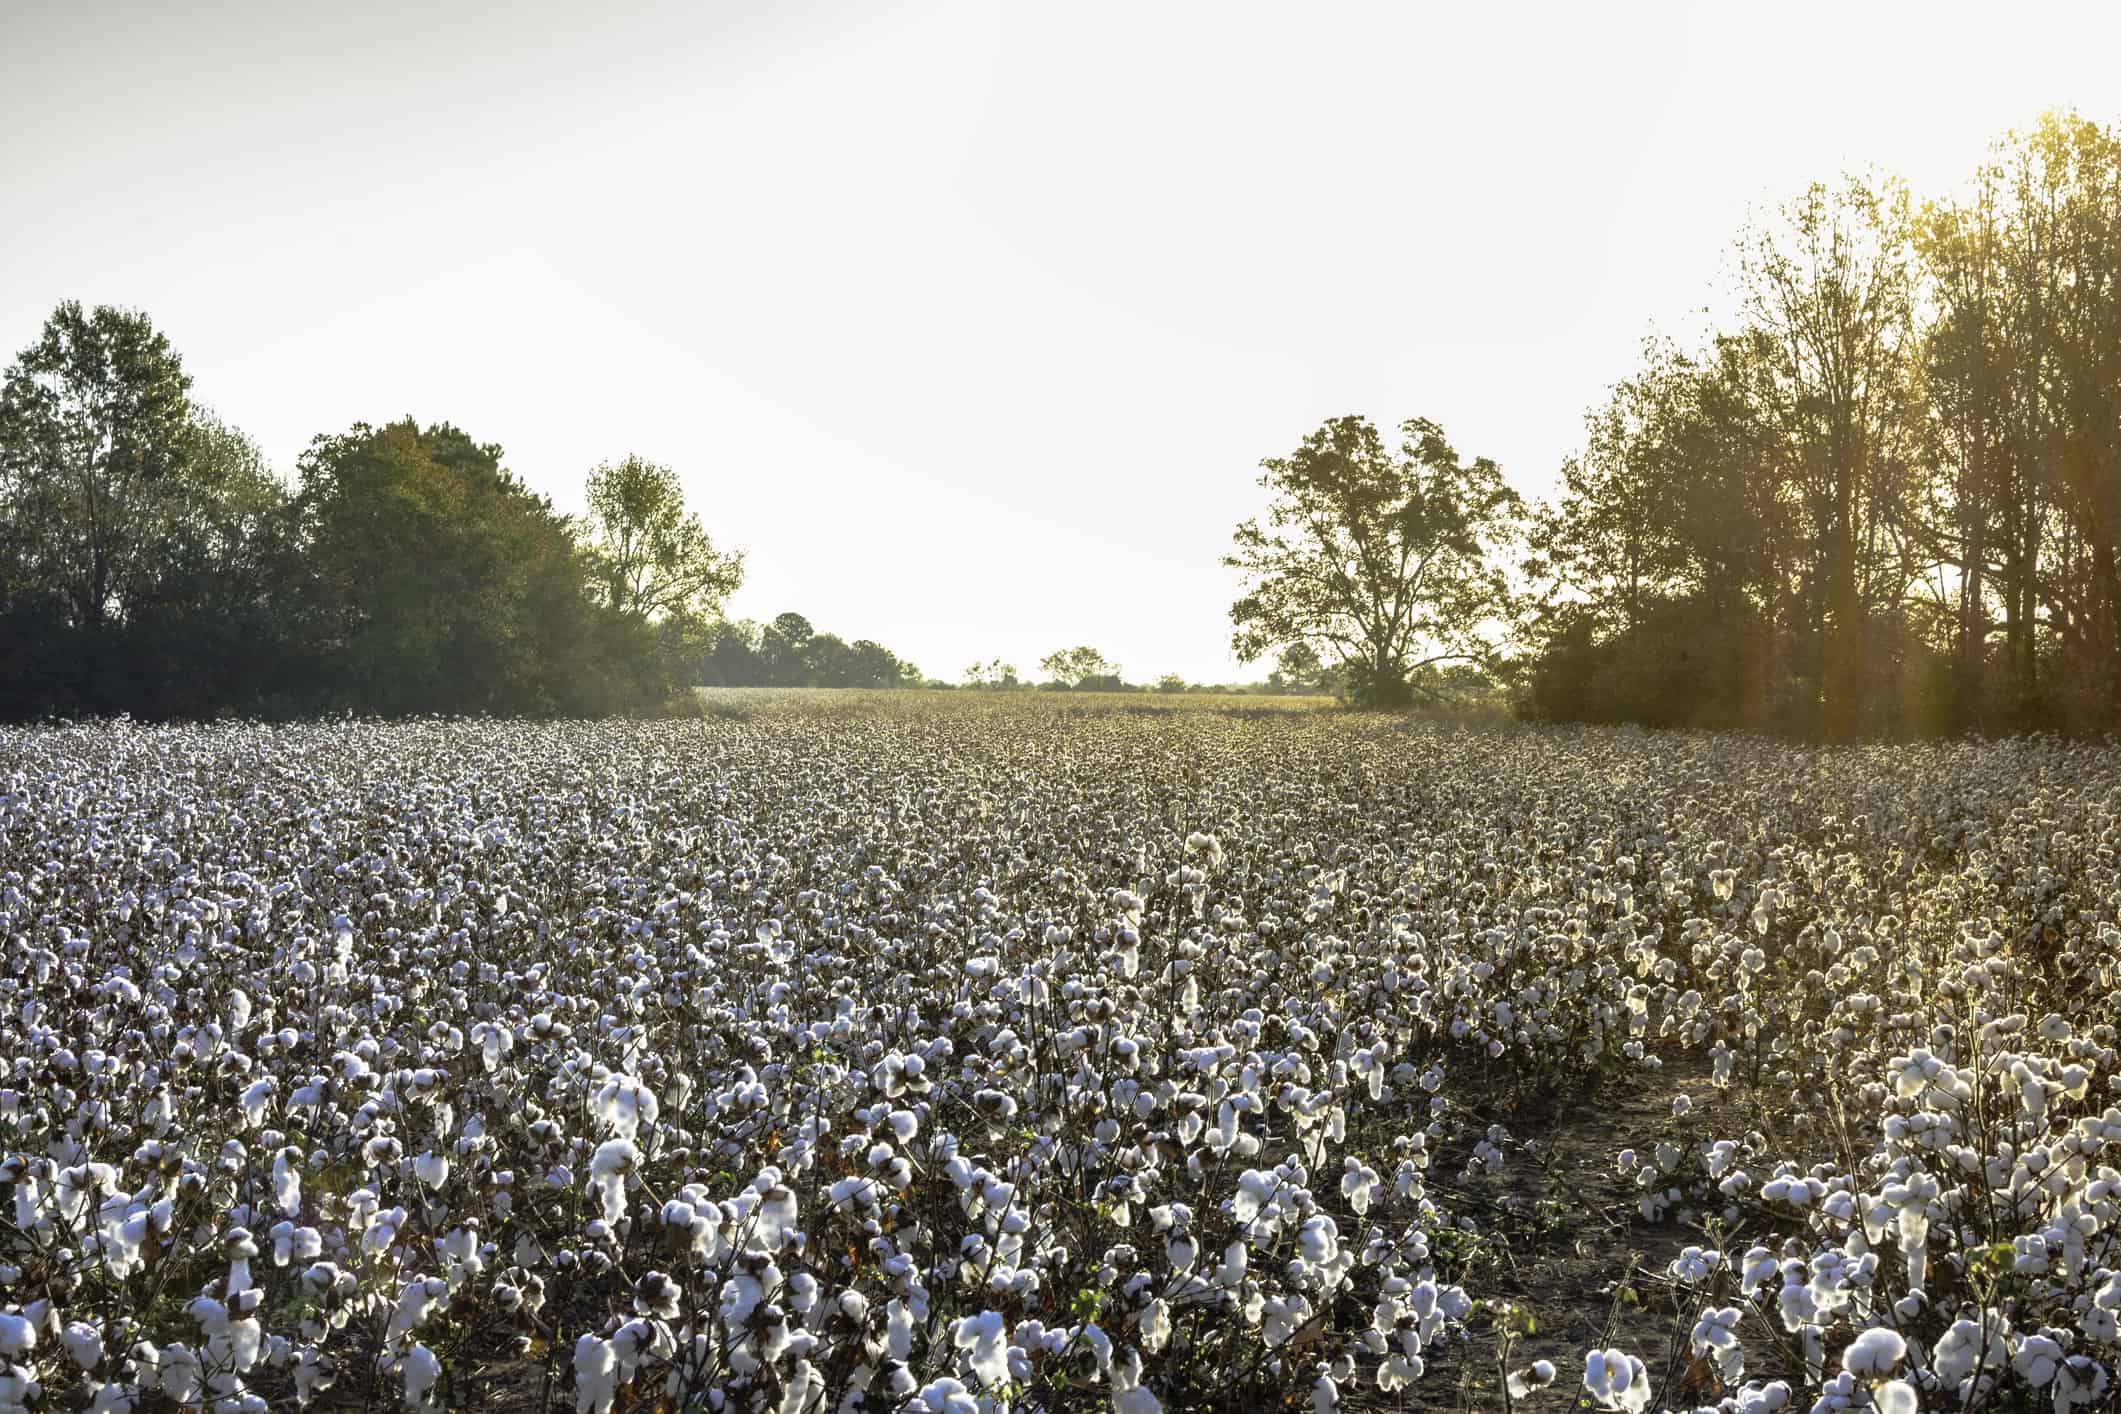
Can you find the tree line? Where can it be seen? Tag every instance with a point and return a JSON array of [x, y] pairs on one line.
[[789, 652], [151, 562], [1884, 500]]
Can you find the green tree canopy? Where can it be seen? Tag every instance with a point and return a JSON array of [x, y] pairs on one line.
[[444, 584], [93, 447], [653, 557], [1387, 560], [1079, 667]]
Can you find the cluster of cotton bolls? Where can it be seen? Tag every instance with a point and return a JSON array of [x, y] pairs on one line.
[[1931, 998], [989, 1056]]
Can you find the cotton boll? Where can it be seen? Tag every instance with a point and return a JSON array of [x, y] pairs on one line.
[[420, 1370], [82, 1342], [596, 1375], [2037, 1360], [944, 1396], [1715, 1339], [983, 1339], [1616, 1381], [1535, 1376], [1970, 1345], [416, 1301], [1874, 1354]]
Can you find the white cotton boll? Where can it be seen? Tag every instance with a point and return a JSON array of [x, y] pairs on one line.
[[2080, 1381], [431, 1169], [1535, 1376], [898, 1328], [1617, 1380], [1970, 1345], [1254, 1189], [1398, 1371], [287, 1183], [1281, 1318], [984, 1340], [1715, 1339], [1129, 1395], [944, 1396], [257, 1099], [1895, 1397], [17, 1336], [2037, 1360], [774, 1219], [83, 1344], [19, 1390], [416, 1302], [1875, 1353], [1358, 1183], [596, 1375], [740, 1296], [1232, 1270], [420, 1370], [1155, 1326]]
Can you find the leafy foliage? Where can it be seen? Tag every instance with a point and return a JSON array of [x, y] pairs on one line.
[[1887, 500], [653, 557], [789, 652], [1387, 559], [1082, 668], [150, 562]]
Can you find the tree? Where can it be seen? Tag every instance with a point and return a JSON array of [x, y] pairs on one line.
[[993, 673], [871, 664], [653, 558], [216, 625], [785, 658], [1389, 561], [93, 423], [1616, 541], [731, 655], [1829, 295], [442, 583], [1299, 669], [1081, 668], [2025, 375]]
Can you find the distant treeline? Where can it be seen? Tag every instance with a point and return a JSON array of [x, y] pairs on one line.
[[151, 563], [1887, 501], [790, 653]]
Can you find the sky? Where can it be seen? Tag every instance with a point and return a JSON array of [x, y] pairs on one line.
[[968, 323]]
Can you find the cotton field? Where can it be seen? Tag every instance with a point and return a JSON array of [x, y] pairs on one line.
[[1015, 1052]]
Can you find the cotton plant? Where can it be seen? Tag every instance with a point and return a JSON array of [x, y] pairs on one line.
[[822, 1061]]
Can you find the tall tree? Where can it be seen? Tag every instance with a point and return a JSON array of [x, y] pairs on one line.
[[1829, 304], [654, 559], [1082, 667], [1962, 510], [1389, 560], [2065, 265], [445, 584], [1616, 540], [93, 445]]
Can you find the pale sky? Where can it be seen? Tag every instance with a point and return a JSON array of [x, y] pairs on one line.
[[969, 323]]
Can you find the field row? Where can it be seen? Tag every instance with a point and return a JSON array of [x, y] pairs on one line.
[[889, 1052]]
